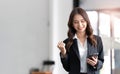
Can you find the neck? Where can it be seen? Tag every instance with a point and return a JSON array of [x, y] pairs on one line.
[[81, 35]]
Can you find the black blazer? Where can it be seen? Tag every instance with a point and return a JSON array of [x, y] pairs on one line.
[[71, 63]]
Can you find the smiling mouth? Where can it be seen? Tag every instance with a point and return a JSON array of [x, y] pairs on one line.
[[80, 28]]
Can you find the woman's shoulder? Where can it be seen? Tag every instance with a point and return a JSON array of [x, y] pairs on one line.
[[98, 38], [65, 40]]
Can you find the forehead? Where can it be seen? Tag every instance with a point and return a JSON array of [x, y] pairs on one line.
[[78, 17]]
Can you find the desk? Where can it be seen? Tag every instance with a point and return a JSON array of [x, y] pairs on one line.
[[41, 72]]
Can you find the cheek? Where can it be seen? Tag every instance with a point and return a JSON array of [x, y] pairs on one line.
[[85, 25], [75, 26]]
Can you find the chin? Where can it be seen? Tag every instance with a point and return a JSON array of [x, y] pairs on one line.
[[81, 31]]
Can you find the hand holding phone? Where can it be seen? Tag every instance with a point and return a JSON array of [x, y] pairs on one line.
[[93, 55], [93, 59]]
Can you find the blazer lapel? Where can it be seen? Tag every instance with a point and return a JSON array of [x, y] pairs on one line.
[[91, 49], [75, 48]]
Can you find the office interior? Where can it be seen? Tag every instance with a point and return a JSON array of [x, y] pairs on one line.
[[31, 29]]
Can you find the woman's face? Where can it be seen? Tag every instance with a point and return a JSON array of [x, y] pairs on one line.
[[79, 23]]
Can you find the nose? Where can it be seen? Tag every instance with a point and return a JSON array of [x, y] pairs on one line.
[[80, 24]]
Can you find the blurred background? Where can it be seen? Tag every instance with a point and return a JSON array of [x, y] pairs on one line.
[[31, 29]]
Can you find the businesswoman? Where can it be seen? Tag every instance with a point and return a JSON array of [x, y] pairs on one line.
[[82, 52]]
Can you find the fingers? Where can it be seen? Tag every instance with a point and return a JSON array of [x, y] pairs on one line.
[[61, 46], [92, 62], [95, 58]]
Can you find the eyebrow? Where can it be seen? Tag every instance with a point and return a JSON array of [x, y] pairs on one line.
[[77, 20]]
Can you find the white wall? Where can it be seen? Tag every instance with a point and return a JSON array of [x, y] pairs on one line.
[[29, 31], [23, 35]]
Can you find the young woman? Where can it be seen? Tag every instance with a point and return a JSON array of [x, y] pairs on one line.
[[82, 52]]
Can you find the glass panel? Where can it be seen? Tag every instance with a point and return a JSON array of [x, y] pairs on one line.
[[116, 44], [104, 25], [104, 31], [93, 16], [116, 29]]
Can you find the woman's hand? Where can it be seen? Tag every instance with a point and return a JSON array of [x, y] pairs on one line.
[[61, 46], [92, 61]]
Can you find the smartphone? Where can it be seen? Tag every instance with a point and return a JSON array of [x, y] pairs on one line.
[[93, 55]]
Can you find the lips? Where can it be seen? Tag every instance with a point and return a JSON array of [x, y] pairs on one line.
[[80, 28]]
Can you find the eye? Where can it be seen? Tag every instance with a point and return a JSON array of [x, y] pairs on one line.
[[83, 21], [75, 22]]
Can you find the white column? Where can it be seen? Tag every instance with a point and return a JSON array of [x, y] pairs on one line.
[[58, 17]]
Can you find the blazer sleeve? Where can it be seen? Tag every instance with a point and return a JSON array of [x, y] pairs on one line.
[[65, 60], [100, 55]]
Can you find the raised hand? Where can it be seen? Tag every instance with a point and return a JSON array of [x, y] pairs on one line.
[[61, 46]]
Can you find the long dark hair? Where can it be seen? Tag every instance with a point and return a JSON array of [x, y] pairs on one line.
[[72, 31]]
